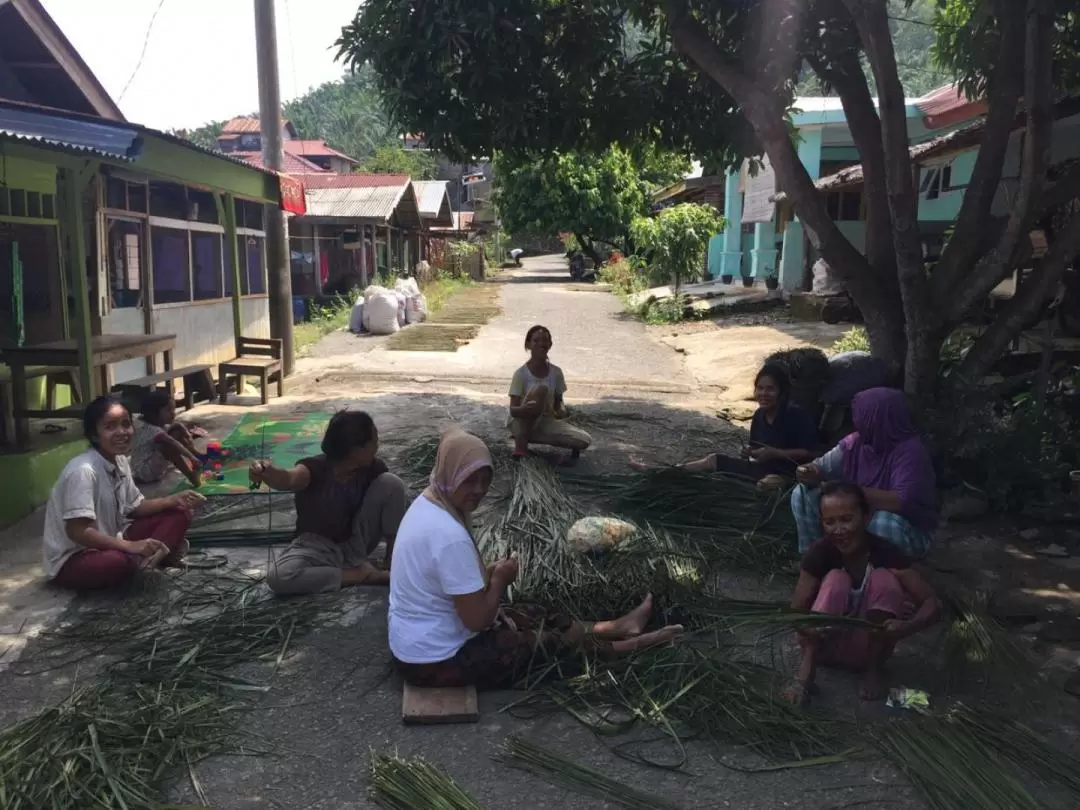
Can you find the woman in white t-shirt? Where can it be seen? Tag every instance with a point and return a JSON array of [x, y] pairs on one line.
[[448, 626], [537, 411]]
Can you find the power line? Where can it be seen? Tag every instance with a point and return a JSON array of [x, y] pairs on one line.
[[145, 46]]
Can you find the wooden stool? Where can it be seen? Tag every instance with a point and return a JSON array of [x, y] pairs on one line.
[[426, 707]]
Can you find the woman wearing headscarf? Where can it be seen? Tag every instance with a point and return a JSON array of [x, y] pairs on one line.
[[448, 624], [889, 460]]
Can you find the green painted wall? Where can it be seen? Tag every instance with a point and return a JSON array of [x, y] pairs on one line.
[[36, 473], [169, 160], [29, 175]]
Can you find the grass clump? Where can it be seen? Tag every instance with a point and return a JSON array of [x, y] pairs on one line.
[[853, 340], [410, 784], [562, 772], [324, 319]]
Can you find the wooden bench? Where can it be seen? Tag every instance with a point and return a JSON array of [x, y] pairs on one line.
[[255, 357], [197, 380], [420, 707], [53, 377]]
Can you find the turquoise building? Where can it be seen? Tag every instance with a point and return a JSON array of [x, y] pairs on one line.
[[764, 241]]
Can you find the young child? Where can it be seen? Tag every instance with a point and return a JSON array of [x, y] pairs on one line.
[[537, 412], [161, 443]]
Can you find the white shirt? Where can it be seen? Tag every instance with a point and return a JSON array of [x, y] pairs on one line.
[[89, 487], [435, 560]]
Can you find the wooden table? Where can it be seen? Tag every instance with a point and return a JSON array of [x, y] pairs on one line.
[[104, 350]]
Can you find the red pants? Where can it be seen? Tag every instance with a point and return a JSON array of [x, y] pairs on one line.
[[93, 569]]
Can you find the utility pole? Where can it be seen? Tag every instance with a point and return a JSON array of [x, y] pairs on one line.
[[277, 242]]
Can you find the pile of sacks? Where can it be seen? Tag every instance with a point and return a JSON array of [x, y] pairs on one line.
[[383, 311]]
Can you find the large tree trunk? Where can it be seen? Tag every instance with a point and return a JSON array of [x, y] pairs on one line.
[[766, 114], [920, 316]]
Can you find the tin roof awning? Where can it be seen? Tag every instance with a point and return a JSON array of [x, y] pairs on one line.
[[100, 138]]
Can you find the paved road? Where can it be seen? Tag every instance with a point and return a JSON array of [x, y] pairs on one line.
[[595, 341]]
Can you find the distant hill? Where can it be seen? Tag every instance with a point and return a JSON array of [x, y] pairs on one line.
[[348, 114], [913, 40]]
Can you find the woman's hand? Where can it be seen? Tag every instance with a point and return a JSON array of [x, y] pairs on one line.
[[147, 548], [257, 472], [562, 412], [505, 571], [187, 500], [896, 629], [765, 454], [809, 474]]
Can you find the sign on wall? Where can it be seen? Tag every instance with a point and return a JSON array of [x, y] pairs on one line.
[[757, 206]]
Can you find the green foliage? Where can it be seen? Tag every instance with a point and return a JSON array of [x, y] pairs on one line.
[[543, 75], [391, 159], [853, 340], [913, 41], [593, 197], [966, 42], [1011, 451], [348, 114], [626, 276], [676, 240]]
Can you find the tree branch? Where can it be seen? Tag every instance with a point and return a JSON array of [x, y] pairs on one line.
[[1038, 288], [1006, 86], [872, 21], [765, 114], [1038, 85], [838, 64]]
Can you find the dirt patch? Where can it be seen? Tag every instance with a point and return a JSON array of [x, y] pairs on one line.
[[432, 337], [476, 304]]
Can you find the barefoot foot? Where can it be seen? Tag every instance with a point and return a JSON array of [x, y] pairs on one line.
[[635, 622], [637, 464], [645, 640], [798, 693]]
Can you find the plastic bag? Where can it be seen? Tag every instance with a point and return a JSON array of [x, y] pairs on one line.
[[381, 313], [356, 317], [416, 310], [592, 534], [407, 287]]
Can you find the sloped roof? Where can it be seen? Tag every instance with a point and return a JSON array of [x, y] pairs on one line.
[[462, 221], [371, 204], [249, 125], [356, 180], [45, 63], [309, 148], [947, 106], [434, 202], [93, 137], [293, 164]]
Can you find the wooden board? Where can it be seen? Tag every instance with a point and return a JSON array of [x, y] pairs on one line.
[[434, 706]]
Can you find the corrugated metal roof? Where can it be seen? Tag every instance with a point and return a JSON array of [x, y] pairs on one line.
[[104, 139], [293, 164], [372, 203], [241, 125], [316, 148], [357, 180], [433, 201]]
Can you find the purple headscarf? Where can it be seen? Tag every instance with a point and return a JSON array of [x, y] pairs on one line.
[[886, 452]]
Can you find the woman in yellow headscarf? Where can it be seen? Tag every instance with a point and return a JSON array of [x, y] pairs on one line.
[[448, 624]]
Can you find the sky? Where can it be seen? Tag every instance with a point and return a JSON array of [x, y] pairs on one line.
[[200, 56]]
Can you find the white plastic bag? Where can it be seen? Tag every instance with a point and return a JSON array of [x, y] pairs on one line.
[[381, 313], [356, 317], [592, 534], [416, 310], [402, 307], [407, 287]]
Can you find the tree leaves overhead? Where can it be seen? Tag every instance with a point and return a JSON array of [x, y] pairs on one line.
[[544, 75]]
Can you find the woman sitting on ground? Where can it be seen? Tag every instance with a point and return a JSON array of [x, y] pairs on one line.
[[346, 503], [162, 443], [99, 529], [889, 460], [782, 435], [853, 572], [448, 626], [537, 412]]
